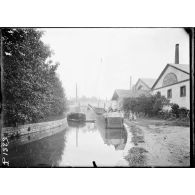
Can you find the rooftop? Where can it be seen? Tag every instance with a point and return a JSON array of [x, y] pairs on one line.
[[123, 93], [148, 81], [184, 67]]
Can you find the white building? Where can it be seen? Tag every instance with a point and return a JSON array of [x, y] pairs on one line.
[[174, 83]]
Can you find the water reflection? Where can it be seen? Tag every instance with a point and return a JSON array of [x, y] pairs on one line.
[[115, 137], [93, 143], [45, 152], [76, 124], [79, 145]]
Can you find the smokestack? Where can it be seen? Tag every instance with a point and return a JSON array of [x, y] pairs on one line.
[[177, 54]]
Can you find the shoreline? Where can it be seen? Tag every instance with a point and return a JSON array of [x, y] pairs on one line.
[[31, 132]]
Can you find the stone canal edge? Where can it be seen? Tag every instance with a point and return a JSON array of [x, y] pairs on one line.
[[30, 132]]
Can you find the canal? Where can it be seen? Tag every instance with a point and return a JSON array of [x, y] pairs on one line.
[[76, 146]]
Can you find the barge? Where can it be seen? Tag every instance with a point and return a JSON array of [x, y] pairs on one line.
[[114, 120]]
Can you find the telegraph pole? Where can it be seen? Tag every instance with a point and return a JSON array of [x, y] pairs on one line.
[[76, 92]]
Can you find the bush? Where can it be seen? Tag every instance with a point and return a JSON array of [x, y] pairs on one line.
[[183, 113], [150, 105], [175, 109]]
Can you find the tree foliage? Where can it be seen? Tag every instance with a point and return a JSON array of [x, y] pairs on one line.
[[149, 105], [31, 88]]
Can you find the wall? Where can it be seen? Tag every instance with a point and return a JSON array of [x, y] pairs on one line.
[[36, 131], [181, 101]]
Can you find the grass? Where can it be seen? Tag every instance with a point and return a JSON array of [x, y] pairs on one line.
[[136, 156], [137, 135]]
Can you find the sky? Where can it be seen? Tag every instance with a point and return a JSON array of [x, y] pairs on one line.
[[101, 60]]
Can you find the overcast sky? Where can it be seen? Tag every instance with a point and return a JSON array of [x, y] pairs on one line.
[[102, 60]]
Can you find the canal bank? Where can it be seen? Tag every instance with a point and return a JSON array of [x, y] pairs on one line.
[[31, 132], [79, 145]]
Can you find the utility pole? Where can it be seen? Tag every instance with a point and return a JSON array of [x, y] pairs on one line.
[[98, 102], [76, 92], [130, 82]]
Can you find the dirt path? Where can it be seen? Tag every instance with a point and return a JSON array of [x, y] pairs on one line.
[[158, 144]]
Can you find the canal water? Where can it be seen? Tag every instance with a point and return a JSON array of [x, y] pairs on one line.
[[76, 146]]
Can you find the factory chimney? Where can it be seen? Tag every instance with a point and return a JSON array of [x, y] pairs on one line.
[[177, 54]]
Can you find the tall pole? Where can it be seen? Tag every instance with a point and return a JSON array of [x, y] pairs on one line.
[[76, 92], [77, 130], [130, 82]]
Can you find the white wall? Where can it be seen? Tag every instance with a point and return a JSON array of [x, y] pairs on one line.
[[181, 101]]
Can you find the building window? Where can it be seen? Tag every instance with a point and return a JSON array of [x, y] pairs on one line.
[[183, 91], [169, 93]]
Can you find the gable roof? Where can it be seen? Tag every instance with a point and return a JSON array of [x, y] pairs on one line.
[[182, 67], [123, 93], [149, 82], [120, 93]]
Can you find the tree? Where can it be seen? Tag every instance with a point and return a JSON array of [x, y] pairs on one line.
[[31, 89], [150, 105]]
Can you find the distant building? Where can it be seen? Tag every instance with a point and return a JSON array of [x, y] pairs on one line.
[[174, 83], [120, 94], [144, 84]]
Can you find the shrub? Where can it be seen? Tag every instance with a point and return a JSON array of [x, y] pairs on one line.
[[150, 105], [175, 109], [183, 112]]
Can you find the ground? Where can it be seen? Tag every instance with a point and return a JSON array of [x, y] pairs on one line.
[[158, 143]]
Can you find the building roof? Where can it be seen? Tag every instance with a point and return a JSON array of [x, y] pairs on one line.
[[148, 81], [123, 93], [182, 67]]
